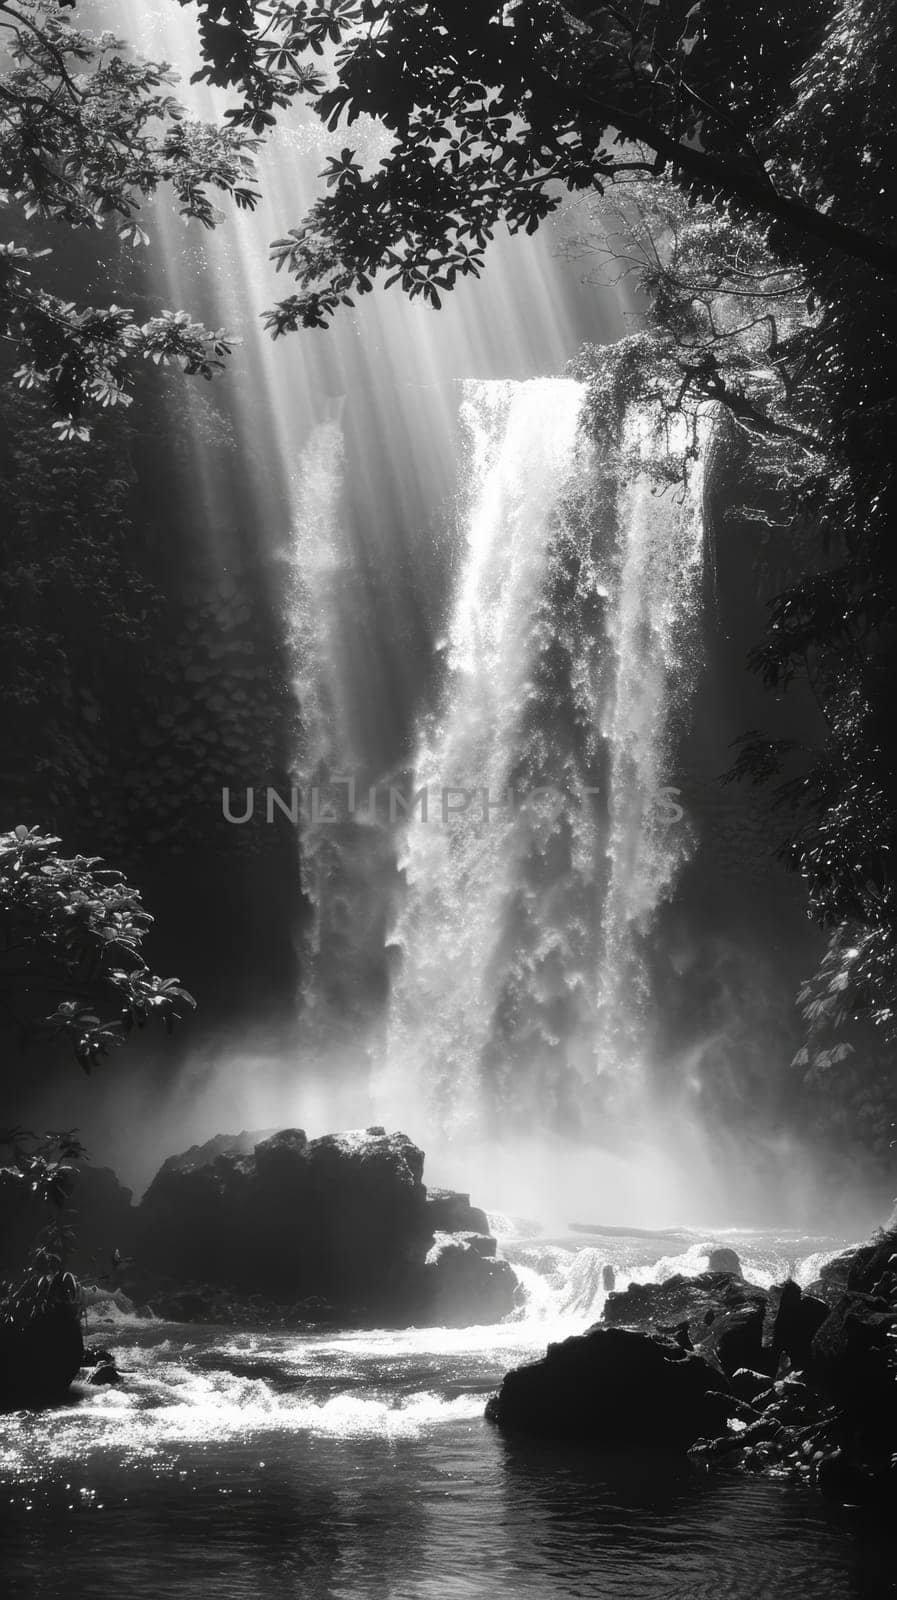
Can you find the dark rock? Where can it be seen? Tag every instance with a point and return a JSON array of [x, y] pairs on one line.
[[724, 1260], [199, 1156], [95, 1357], [461, 1286], [108, 1373], [615, 1388], [649, 1304], [190, 1305], [344, 1219], [608, 1278], [791, 1321], [832, 1280], [864, 1269], [840, 1478], [40, 1357], [723, 1315], [332, 1217], [449, 1212], [850, 1361], [736, 1337], [277, 1158], [835, 1416], [196, 1220], [874, 1268], [680, 1332]]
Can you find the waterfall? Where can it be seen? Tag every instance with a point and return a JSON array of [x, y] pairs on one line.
[[654, 632], [510, 965], [552, 831]]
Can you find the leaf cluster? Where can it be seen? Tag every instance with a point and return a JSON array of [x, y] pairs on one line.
[[89, 135], [71, 933]]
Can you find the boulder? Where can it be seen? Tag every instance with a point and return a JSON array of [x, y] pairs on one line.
[[40, 1355], [95, 1356], [344, 1220], [724, 1260], [791, 1321], [196, 1219], [722, 1315], [851, 1361], [832, 1280], [615, 1388], [865, 1269], [108, 1373], [874, 1268], [735, 1337], [462, 1284], [449, 1212], [295, 1217]]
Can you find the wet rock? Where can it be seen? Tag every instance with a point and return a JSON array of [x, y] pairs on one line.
[[108, 1373], [95, 1357], [723, 1315], [724, 1260], [791, 1322], [333, 1217], [344, 1219], [461, 1286], [832, 1280], [834, 1414], [649, 1304], [874, 1268], [735, 1337], [450, 1212], [196, 1219], [102, 1302], [615, 1388]]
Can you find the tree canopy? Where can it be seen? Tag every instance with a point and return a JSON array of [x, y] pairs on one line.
[[496, 111], [88, 134]]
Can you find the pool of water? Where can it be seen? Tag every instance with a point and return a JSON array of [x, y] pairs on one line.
[[358, 1466]]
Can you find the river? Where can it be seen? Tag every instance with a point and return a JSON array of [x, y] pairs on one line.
[[358, 1466]]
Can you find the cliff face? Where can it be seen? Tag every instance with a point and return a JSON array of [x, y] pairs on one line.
[[733, 944]]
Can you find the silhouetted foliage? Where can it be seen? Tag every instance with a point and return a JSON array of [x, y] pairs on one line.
[[88, 133], [494, 111], [71, 933]]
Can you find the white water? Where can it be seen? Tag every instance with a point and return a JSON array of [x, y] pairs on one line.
[[552, 832], [195, 1385], [655, 630]]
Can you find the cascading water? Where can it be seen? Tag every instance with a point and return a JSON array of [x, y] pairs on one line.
[[654, 631], [552, 832]]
